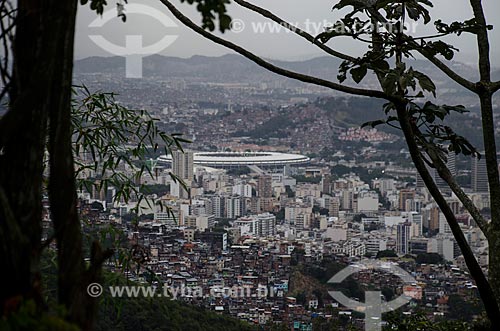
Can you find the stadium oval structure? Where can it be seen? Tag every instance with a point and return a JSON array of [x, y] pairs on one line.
[[234, 159]]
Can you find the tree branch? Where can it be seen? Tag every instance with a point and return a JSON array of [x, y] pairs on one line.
[[447, 70], [447, 176], [495, 87], [485, 290], [485, 94], [438, 63], [482, 41], [294, 29], [267, 65]]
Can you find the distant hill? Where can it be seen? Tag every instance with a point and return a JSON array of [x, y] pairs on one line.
[[231, 68]]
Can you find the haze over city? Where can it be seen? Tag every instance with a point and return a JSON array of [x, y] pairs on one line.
[[280, 45]]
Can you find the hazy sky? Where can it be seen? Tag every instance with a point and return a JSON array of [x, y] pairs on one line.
[[310, 15]]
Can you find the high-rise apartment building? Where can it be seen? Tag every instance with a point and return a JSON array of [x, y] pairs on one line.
[[265, 186], [403, 238], [182, 167], [404, 195], [479, 175], [451, 164]]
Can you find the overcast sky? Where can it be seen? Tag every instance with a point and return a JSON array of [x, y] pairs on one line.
[[308, 14]]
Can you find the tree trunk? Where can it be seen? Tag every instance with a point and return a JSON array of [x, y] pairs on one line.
[[41, 94], [493, 234], [484, 287], [22, 147]]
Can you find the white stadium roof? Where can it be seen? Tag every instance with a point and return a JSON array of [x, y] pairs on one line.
[[214, 159]]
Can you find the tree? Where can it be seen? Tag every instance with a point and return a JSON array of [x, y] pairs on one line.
[[36, 71], [429, 258], [419, 321], [388, 293], [461, 309], [386, 253], [408, 107]]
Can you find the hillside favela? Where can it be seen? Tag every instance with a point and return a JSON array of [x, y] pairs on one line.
[[184, 165]]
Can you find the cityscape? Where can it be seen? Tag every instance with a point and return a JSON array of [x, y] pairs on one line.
[[257, 215], [243, 165]]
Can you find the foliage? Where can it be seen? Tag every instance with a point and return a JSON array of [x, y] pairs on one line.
[[161, 314], [238, 171], [359, 217], [366, 175], [321, 211], [212, 10], [158, 189], [419, 322], [380, 24], [280, 215], [326, 270], [307, 179], [388, 293], [289, 192], [27, 317], [297, 256], [275, 127], [301, 298], [157, 313], [386, 253], [140, 313], [463, 310], [111, 144], [271, 326], [429, 258], [401, 79]]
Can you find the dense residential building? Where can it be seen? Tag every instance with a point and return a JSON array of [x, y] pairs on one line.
[[261, 225], [479, 175], [265, 186], [404, 234], [182, 168], [451, 164], [265, 226], [404, 196]]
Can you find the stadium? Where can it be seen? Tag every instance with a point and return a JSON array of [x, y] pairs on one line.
[[240, 159]]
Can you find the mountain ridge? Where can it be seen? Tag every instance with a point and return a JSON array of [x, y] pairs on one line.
[[232, 68]]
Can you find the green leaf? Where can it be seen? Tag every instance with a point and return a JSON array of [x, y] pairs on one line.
[[425, 82], [359, 73]]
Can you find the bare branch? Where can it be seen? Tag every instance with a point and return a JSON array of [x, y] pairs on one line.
[[485, 94], [267, 65], [495, 87], [446, 69], [438, 63], [482, 41], [446, 175], [485, 291], [296, 30], [7, 25]]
